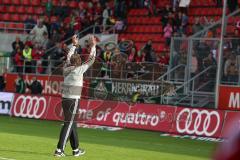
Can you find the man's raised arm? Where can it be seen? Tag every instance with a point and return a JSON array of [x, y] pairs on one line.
[[91, 57]]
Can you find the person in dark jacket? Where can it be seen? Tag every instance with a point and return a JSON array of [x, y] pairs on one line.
[[35, 86], [2, 83], [232, 5], [20, 84]]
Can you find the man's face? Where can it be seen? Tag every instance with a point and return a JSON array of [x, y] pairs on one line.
[[17, 39]]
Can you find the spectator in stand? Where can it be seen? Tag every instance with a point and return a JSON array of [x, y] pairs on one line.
[[232, 5], [62, 10], [2, 83], [148, 50], [218, 3], [150, 6], [183, 5], [165, 13], [37, 59], [231, 69], [54, 25], [175, 4], [106, 14], [68, 33], [163, 59], [177, 22], [202, 51], [132, 55], [46, 43], [140, 57], [119, 26], [38, 31], [27, 56], [184, 22], [20, 84], [197, 26], [17, 44], [49, 7], [18, 61], [235, 40], [99, 51], [194, 65], [35, 87], [57, 55], [17, 47], [105, 69], [29, 23], [207, 62], [168, 30], [56, 37]]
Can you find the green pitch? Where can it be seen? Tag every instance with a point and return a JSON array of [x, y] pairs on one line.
[[25, 139]]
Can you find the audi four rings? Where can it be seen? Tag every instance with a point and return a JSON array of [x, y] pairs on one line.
[[31, 107], [201, 124]]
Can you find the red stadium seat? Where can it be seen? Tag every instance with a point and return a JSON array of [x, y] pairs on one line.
[[39, 10], [20, 26], [6, 17], [36, 2], [15, 17], [7, 1], [26, 2], [55, 2], [23, 17], [2, 26], [30, 10], [11, 26], [12, 9], [16, 2], [3, 9], [73, 4], [21, 9]]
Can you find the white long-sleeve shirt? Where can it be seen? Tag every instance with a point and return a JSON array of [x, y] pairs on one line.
[[73, 76]]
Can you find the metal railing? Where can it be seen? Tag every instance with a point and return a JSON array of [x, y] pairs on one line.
[[139, 71], [197, 93], [15, 27]]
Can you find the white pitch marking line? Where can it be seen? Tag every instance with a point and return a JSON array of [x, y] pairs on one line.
[[3, 158]]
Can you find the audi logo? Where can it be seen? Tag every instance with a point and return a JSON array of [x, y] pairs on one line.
[[31, 107], [203, 124]]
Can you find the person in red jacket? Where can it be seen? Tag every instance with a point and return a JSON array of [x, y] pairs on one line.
[[18, 59]]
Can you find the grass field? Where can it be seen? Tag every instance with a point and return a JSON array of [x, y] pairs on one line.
[[25, 139]]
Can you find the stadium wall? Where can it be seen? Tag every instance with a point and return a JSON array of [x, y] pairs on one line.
[[162, 118]]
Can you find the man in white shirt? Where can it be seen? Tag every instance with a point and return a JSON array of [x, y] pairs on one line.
[[73, 71], [38, 32]]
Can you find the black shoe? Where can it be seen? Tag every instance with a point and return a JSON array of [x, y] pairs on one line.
[[78, 152], [59, 153]]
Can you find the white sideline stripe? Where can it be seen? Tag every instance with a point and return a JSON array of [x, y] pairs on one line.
[[3, 158]]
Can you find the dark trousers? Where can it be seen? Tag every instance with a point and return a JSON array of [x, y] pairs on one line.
[[69, 129]]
